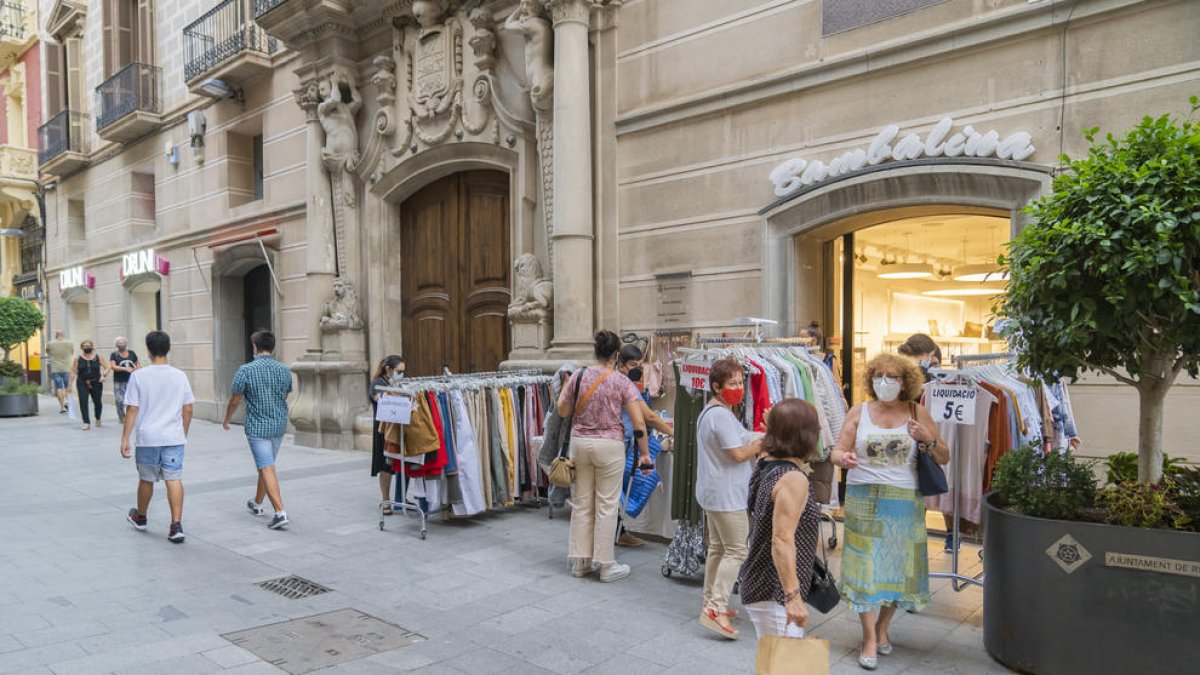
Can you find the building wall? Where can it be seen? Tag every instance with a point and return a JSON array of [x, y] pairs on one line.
[[715, 93], [130, 198]]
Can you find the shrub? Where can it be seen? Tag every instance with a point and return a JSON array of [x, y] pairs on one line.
[[11, 369], [19, 320], [1185, 490], [1054, 485], [10, 388], [1123, 467], [1136, 504]]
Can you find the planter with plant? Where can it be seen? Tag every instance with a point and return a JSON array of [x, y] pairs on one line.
[[19, 321], [1106, 278]]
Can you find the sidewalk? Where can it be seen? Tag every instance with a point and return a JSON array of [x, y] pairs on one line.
[[81, 592]]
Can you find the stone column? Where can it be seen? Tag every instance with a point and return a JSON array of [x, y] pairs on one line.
[[574, 232], [319, 233]]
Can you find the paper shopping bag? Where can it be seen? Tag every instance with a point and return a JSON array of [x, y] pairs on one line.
[[72, 407], [792, 656]]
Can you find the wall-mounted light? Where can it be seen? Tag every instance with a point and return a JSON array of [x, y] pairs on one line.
[[214, 88], [197, 125]]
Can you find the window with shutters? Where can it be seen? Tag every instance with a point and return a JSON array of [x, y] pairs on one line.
[[63, 138], [128, 34]]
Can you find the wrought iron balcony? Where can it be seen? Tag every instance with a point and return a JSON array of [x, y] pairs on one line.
[[12, 21], [226, 44], [130, 103], [263, 6], [63, 143]]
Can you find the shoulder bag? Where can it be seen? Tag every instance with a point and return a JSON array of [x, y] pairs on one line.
[[562, 469], [931, 478], [822, 591]]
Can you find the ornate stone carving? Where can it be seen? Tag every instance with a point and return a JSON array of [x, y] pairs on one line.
[[339, 104], [578, 11], [483, 38], [307, 98], [533, 297], [341, 313]]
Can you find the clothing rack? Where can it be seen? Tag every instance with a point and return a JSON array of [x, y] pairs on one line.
[[979, 358], [441, 383]]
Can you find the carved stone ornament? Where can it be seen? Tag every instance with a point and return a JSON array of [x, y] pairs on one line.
[[341, 313], [578, 11], [533, 296]]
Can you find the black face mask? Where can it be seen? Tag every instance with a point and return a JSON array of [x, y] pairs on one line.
[[635, 374], [88, 350]]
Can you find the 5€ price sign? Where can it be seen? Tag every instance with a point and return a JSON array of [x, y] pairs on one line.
[[695, 373], [395, 409], [953, 403]]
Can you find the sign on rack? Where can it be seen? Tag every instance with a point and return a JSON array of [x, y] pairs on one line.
[[953, 403], [395, 409], [695, 373]]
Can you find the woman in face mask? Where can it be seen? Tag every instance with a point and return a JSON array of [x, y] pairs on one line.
[[89, 372], [725, 452], [923, 351], [885, 565]]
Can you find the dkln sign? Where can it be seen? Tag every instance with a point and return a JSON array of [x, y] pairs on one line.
[[73, 278], [143, 262], [796, 173]]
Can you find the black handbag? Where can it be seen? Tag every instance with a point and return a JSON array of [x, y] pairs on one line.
[[822, 592], [931, 477]]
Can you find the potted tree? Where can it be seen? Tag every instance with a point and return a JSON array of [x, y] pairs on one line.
[[1106, 278], [19, 320]]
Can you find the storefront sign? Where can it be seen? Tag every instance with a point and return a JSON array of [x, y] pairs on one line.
[[695, 373], [395, 409], [75, 277], [143, 262], [954, 403], [1187, 568], [29, 291], [797, 173]]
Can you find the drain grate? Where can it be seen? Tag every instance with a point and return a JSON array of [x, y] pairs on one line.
[[293, 587]]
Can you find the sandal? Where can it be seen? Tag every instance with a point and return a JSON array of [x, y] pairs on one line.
[[86, 427], [711, 620], [387, 509]]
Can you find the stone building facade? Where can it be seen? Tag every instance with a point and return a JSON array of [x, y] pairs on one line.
[[471, 182]]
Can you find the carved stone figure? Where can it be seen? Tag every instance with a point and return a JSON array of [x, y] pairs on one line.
[[340, 102], [539, 51], [533, 299], [429, 13], [341, 313], [483, 39]]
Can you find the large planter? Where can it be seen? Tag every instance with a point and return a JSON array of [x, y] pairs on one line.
[[18, 405], [1071, 598]]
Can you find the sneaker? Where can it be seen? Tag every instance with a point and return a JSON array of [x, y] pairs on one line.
[[137, 520], [950, 543], [628, 540], [175, 535], [711, 621], [582, 568], [613, 571], [62, 412], [255, 509], [279, 521]]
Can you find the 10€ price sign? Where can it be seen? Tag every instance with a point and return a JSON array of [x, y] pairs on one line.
[[953, 403], [695, 373]]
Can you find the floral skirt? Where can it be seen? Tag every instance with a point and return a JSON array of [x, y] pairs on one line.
[[885, 561]]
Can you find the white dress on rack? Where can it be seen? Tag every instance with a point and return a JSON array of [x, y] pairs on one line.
[[469, 474]]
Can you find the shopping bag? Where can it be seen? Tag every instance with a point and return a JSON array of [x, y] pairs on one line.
[[792, 656], [72, 407]]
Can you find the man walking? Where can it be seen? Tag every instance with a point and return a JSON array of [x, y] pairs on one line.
[[61, 351], [158, 401], [122, 362], [265, 384]]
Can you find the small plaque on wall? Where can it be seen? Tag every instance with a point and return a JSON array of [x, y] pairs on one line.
[[674, 299]]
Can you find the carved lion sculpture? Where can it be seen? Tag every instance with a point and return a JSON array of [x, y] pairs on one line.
[[341, 313], [534, 296]]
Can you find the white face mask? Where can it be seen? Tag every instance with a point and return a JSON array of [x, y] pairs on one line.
[[887, 389]]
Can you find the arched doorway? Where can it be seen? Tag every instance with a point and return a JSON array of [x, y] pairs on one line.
[[455, 273], [243, 303]]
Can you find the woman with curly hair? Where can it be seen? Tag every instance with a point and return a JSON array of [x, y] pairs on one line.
[[885, 563]]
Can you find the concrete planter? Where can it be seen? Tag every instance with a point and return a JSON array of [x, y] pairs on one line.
[[1071, 598], [18, 405]]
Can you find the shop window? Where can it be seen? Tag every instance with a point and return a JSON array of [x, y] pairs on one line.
[[842, 15], [145, 309]]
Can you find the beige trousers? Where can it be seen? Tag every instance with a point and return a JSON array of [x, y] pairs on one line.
[[595, 498], [727, 535]]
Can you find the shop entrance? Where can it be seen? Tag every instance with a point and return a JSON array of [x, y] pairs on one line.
[[934, 274], [455, 274], [78, 319], [256, 305], [145, 311], [242, 305]]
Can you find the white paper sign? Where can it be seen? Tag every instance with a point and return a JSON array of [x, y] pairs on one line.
[[695, 373], [395, 409], [953, 403]]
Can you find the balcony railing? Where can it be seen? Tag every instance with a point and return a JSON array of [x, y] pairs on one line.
[[135, 88], [12, 20], [223, 32], [263, 6], [65, 132]]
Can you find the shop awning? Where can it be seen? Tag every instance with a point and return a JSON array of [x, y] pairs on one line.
[[240, 238]]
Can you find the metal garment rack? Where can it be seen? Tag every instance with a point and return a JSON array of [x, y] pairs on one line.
[[412, 386]]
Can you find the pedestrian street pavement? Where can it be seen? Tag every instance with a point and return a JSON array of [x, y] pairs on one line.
[[82, 592]]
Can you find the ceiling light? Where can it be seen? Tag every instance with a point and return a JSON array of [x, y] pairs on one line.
[[907, 271], [963, 292], [984, 272]]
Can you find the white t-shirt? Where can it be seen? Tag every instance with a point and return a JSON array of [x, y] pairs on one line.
[[159, 392], [721, 483]]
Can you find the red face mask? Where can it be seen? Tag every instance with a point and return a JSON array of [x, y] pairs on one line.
[[733, 396]]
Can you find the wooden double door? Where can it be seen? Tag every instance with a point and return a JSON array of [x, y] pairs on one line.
[[455, 274]]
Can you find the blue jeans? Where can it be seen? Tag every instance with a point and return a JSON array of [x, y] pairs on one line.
[[61, 380], [265, 450]]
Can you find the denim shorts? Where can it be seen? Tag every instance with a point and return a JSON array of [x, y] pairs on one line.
[[265, 450], [159, 462], [61, 380]]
